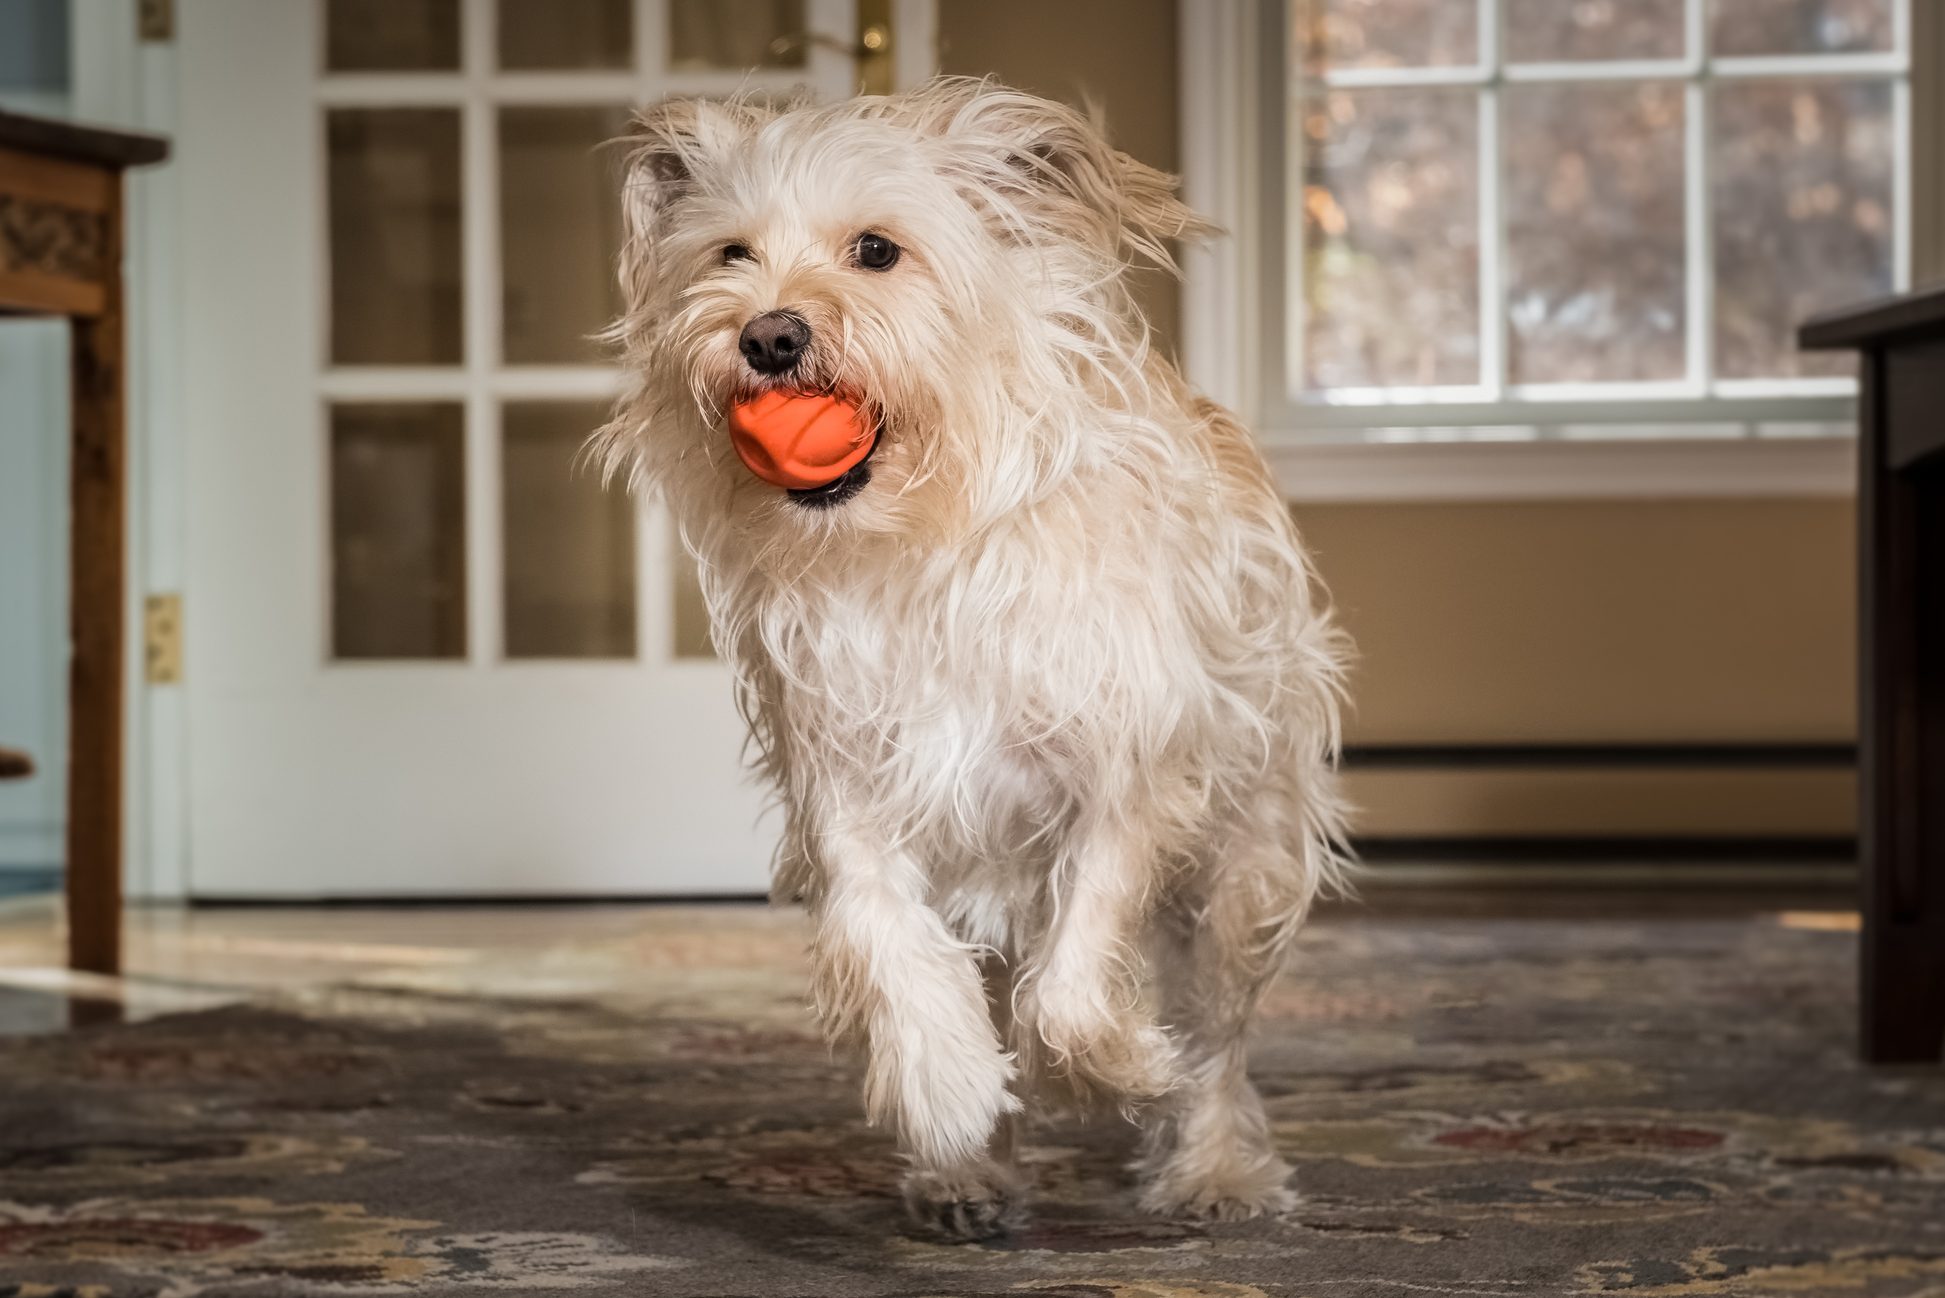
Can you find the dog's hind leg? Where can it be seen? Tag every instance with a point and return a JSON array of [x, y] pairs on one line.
[[983, 1197], [884, 967], [1207, 1150]]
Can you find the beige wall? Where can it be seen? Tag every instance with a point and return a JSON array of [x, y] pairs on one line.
[[1561, 621], [1651, 620], [1592, 621], [1116, 54]]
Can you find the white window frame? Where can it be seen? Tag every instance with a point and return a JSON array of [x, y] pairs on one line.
[[1691, 437]]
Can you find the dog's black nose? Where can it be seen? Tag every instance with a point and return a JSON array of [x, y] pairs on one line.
[[774, 342]]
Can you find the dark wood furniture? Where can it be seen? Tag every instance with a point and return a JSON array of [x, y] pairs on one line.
[[1901, 627], [61, 255]]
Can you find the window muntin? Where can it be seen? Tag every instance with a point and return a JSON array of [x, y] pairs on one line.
[[1581, 216]]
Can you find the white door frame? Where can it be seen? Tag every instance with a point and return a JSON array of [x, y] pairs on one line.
[[120, 80], [914, 42], [477, 775]]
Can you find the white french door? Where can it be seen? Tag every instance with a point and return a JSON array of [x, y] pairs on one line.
[[427, 653]]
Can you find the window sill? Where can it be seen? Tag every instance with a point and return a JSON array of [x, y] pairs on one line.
[[1320, 471]]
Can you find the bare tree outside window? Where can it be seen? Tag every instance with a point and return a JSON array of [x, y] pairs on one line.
[[1391, 238], [1511, 199]]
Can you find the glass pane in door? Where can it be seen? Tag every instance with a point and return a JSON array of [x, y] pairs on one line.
[[556, 34], [716, 34], [560, 230], [570, 540], [398, 531], [391, 36], [394, 221]]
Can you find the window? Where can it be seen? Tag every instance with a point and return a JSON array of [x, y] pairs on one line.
[[472, 225], [1571, 218]]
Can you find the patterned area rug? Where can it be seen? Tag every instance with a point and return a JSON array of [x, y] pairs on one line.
[[1476, 1107]]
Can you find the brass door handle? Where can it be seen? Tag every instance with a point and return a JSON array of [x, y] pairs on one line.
[[874, 41]]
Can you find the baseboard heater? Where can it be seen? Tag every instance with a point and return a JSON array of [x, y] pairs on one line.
[[1612, 849], [1783, 850], [1622, 756]]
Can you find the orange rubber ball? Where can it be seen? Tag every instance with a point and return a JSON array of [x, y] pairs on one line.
[[799, 441]]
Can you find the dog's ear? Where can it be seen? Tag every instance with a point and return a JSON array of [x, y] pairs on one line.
[[663, 149], [1053, 164], [669, 146], [666, 145]]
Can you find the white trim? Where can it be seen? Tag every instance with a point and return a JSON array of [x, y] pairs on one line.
[[1720, 397], [657, 552], [1598, 71], [833, 24], [1228, 340], [1795, 66], [651, 37], [483, 294], [1283, 150], [914, 42], [122, 81], [1470, 470], [1488, 72], [1495, 331], [1770, 389], [390, 89], [1366, 408], [453, 383], [1218, 137], [1425, 78], [1698, 208]]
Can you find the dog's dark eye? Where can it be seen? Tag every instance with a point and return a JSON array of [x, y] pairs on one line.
[[737, 252], [876, 252]]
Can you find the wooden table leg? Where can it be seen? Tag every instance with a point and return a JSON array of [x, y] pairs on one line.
[[1901, 518], [98, 532]]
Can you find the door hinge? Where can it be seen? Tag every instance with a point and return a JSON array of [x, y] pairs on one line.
[[155, 20], [162, 639]]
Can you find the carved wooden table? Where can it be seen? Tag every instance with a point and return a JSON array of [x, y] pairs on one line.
[[61, 255], [1901, 659]]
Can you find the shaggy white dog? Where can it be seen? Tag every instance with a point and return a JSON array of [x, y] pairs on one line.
[[1043, 681]]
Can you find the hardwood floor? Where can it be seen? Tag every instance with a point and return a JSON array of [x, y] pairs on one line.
[[187, 958]]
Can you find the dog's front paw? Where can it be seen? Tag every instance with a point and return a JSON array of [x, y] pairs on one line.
[[1118, 1052], [975, 1203]]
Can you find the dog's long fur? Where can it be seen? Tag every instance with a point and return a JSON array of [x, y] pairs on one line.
[[1052, 703]]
